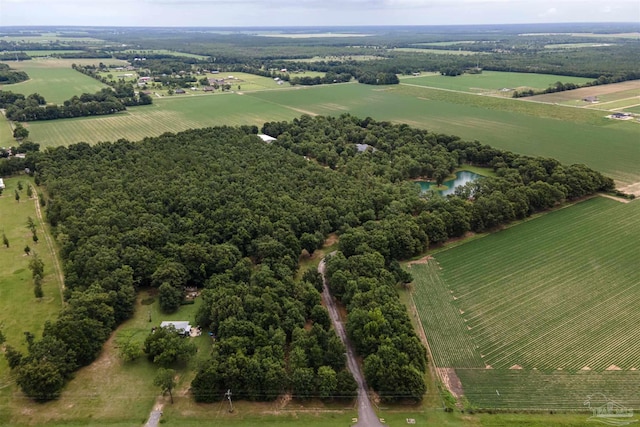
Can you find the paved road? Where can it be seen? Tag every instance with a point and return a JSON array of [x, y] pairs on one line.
[[366, 415]]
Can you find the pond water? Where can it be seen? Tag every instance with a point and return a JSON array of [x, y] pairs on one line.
[[462, 177]]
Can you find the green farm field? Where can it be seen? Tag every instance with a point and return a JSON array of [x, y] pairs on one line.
[[167, 114], [570, 135], [37, 53], [492, 81], [53, 78], [544, 311], [418, 50], [166, 52]]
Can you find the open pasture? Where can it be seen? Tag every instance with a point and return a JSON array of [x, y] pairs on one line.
[[570, 135], [38, 53], [575, 45], [294, 35], [426, 50], [6, 133], [603, 93], [165, 52], [550, 301], [492, 82], [54, 79], [20, 311], [167, 114], [337, 58]]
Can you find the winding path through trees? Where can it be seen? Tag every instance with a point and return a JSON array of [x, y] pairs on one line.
[[366, 415]]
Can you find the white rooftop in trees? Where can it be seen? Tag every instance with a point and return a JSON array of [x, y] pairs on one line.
[[266, 138], [182, 326]]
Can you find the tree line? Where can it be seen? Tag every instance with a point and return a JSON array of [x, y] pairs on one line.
[[9, 76], [34, 107]]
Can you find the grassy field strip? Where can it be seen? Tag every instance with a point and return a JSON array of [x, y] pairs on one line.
[[6, 133], [20, 311], [442, 323], [491, 388], [494, 81]]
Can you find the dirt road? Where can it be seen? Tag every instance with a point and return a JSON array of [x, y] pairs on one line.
[[366, 415]]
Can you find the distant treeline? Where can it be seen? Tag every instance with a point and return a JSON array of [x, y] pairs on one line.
[[33, 107], [9, 76]]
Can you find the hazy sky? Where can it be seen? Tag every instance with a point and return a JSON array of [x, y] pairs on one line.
[[218, 13]]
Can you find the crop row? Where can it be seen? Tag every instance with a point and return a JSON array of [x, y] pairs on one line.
[[522, 389]]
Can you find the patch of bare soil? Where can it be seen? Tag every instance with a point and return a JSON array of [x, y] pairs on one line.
[[331, 239], [516, 367], [632, 189], [451, 381], [617, 199], [585, 368], [613, 368], [422, 260]]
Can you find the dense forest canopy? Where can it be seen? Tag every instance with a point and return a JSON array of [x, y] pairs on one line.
[[219, 209]]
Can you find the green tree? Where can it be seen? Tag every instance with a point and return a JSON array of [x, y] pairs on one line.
[[29, 191], [17, 196], [40, 380], [165, 379], [27, 250], [326, 382], [5, 241], [20, 132], [130, 351], [165, 346], [36, 265], [169, 298]]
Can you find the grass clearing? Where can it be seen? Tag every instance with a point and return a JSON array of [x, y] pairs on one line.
[[418, 50], [6, 133], [20, 311], [165, 52], [342, 58], [492, 81], [38, 53], [54, 79], [549, 313], [110, 391]]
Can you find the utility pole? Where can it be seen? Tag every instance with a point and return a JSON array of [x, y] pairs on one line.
[[228, 396]]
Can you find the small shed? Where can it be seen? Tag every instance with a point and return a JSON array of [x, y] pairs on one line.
[[182, 326], [1, 184]]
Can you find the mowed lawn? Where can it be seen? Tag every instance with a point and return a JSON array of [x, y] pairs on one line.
[[548, 305], [20, 311], [54, 79], [492, 81]]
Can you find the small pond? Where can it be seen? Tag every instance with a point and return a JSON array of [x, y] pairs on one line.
[[462, 177]]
